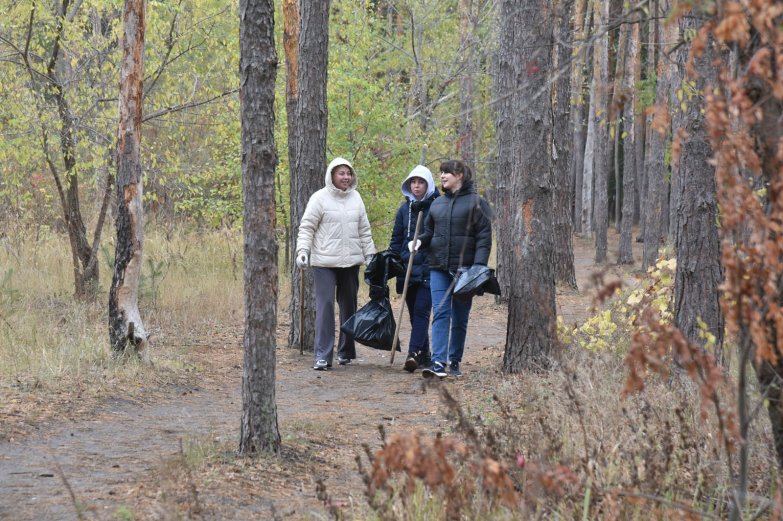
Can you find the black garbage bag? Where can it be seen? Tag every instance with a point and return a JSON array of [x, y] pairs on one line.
[[475, 281], [383, 266], [373, 325]]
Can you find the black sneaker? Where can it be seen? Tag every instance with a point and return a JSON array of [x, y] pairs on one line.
[[344, 361], [423, 359], [436, 369], [454, 369], [410, 364]]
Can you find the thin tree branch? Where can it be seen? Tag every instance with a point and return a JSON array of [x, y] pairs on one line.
[[184, 106]]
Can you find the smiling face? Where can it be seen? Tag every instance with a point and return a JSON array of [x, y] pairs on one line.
[[342, 177], [451, 182], [418, 187]]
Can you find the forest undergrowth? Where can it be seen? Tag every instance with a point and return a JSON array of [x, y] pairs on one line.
[[569, 443]]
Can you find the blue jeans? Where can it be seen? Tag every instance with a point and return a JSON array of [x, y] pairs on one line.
[[419, 302], [449, 319]]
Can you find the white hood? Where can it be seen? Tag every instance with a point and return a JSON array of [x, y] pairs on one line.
[[422, 172], [337, 161]]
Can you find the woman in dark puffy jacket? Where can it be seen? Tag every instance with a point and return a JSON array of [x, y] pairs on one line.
[[457, 234], [419, 191]]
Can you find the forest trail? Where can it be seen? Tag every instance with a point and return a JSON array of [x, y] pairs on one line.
[[117, 456]]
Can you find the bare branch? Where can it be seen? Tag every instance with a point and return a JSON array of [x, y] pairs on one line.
[[184, 106]]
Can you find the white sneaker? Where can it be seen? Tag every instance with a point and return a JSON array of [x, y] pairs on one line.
[[321, 365]]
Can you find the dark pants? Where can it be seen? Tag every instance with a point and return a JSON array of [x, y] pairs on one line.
[[344, 282], [419, 302]]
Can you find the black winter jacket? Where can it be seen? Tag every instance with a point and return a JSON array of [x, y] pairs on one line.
[[458, 230], [402, 234]]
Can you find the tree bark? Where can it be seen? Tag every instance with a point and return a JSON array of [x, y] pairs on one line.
[[656, 200], [467, 31], [258, 69], [602, 145], [699, 273], [531, 333], [625, 250], [125, 325], [561, 153], [581, 18], [309, 167]]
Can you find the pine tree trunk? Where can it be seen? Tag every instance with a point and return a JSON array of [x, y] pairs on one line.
[[126, 328], [581, 17], [699, 272], [531, 332], [602, 146], [310, 164], [466, 142], [625, 250], [656, 201], [258, 69], [587, 173], [563, 248]]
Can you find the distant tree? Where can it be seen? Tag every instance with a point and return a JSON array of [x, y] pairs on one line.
[[258, 69], [578, 104], [625, 248], [602, 146], [563, 256], [525, 64], [309, 167], [125, 325]]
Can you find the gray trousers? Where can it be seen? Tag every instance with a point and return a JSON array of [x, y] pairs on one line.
[[344, 282]]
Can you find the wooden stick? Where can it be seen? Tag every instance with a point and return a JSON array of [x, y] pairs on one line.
[[301, 310], [405, 287]]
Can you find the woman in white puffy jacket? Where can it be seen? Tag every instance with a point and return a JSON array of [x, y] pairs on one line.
[[335, 239]]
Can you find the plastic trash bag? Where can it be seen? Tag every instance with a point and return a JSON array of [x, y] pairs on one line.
[[373, 325], [474, 281], [384, 266]]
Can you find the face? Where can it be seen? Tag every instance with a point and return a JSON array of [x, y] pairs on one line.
[[418, 187], [451, 182], [342, 177]]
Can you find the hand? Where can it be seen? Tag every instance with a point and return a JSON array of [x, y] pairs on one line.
[[301, 259], [412, 247]]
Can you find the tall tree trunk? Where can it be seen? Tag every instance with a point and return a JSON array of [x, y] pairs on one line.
[[531, 333], [258, 69], [625, 250], [561, 153], [581, 18], [125, 324], [467, 31], [310, 164], [588, 164], [699, 272], [656, 199], [291, 51], [602, 148], [504, 83]]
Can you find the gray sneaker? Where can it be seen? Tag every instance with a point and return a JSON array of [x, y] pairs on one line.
[[321, 365], [344, 361]]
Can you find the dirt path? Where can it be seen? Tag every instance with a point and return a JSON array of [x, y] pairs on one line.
[[115, 458]]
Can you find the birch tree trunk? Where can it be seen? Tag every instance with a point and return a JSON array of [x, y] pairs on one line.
[[531, 333], [258, 69], [310, 164], [126, 328]]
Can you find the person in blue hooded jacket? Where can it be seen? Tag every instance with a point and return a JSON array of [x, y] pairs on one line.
[[419, 191]]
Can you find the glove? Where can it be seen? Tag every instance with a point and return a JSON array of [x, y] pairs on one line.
[[301, 259], [412, 248]]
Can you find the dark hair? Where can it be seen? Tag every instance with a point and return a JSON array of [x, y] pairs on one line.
[[455, 166]]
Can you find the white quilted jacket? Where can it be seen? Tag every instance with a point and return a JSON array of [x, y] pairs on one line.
[[335, 230]]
